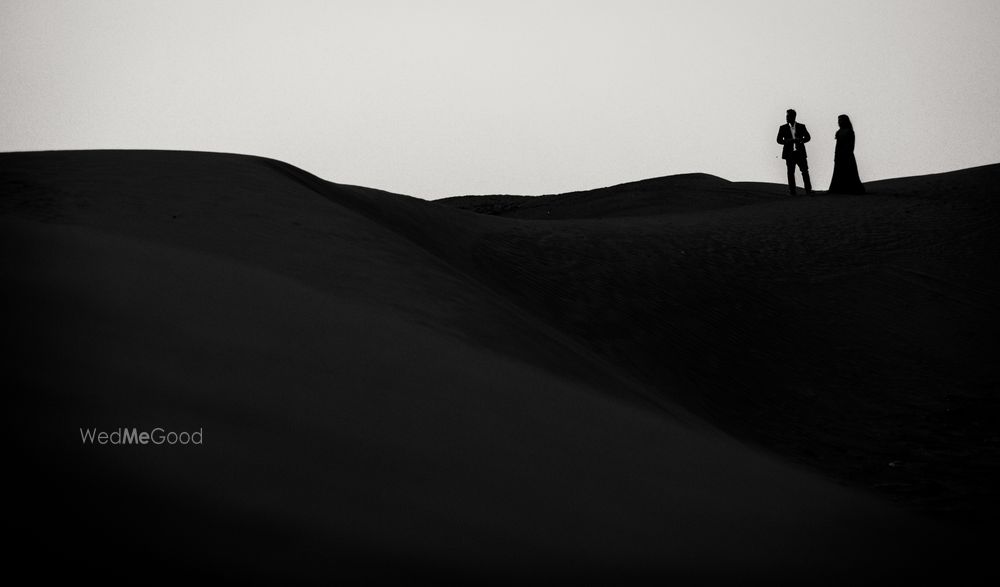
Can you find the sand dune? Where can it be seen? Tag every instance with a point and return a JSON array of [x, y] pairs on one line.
[[694, 192], [684, 378]]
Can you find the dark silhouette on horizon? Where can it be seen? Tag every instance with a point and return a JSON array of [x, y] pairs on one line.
[[845, 167], [793, 138]]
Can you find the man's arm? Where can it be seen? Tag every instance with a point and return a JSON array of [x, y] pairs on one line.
[[805, 135], [781, 139]]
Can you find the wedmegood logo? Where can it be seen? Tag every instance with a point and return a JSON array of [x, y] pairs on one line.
[[156, 436]]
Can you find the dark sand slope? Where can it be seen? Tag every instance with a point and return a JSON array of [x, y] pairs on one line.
[[847, 332], [392, 388]]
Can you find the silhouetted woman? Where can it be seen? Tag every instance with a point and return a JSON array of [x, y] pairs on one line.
[[845, 167]]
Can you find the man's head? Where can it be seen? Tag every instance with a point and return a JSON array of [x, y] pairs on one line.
[[790, 116]]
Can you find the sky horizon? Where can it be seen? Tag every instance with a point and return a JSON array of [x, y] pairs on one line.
[[442, 98]]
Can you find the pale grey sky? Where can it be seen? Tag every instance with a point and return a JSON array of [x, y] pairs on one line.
[[436, 98]]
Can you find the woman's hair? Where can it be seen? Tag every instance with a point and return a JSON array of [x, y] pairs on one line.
[[845, 122]]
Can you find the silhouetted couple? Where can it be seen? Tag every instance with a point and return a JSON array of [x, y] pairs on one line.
[[793, 138]]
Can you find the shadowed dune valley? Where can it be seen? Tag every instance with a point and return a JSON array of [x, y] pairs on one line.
[[222, 368]]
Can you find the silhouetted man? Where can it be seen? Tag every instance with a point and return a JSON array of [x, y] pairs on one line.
[[793, 138]]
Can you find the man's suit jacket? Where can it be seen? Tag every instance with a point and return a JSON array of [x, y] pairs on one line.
[[785, 138]]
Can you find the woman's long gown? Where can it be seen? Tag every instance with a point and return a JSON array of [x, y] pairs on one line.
[[845, 167]]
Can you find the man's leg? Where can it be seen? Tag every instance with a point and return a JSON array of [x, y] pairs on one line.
[[791, 175], [804, 165]]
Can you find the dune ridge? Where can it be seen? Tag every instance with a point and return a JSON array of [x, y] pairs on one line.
[[861, 321]]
